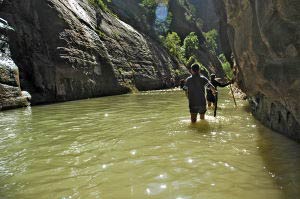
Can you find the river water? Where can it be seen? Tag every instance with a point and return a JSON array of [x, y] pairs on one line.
[[143, 146]]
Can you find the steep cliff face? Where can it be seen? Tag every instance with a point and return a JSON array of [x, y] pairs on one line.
[[133, 13], [70, 49], [184, 21], [205, 10], [264, 37], [11, 95]]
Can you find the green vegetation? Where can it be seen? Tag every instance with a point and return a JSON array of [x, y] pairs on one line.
[[101, 34], [211, 40], [102, 4], [149, 4], [179, 73], [211, 43], [187, 52], [202, 68], [193, 60], [190, 45], [161, 27], [173, 43], [226, 66]]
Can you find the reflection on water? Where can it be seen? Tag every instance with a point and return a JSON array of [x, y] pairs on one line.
[[143, 146]]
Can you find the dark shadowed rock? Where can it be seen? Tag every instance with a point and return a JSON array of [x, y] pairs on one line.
[[205, 10], [70, 49], [265, 39]]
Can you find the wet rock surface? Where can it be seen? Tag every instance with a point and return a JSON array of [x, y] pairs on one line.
[[71, 49], [264, 38], [10, 92]]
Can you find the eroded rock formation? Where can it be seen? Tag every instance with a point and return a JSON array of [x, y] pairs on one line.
[[265, 39], [71, 49], [11, 95]]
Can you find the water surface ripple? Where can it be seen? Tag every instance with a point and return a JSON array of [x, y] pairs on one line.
[[143, 146]]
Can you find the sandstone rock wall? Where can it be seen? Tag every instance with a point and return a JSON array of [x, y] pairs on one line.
[[265, 39], [11, 95], [183, 22], [70, 49]]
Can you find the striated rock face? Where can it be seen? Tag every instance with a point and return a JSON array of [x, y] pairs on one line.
[[70, 49], [265, 39], [183, 22], [11, 95]]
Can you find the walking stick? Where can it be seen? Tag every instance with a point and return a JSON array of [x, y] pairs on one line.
[[216, 104], [232, 95]]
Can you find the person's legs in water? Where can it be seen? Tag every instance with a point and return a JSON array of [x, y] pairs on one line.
[[202, 116], [202, 112], [194, 113], [194, 117]]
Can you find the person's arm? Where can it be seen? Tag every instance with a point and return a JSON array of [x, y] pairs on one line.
[[221, 85], [210, 86], [185, 88]]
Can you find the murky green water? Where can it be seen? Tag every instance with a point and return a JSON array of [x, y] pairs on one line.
[[143, 146]]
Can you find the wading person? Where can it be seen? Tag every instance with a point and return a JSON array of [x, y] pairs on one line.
[[209, 94], [195, 91], [182, 83]]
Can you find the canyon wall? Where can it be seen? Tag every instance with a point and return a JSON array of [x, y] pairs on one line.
[[264, 37], [73, 49]]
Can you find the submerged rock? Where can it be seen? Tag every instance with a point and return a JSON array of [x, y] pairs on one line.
[[264, 38], [10, 92]]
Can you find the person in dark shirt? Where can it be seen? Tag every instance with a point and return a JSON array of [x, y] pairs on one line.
[[195, 91], [182, 83], [209, 94]]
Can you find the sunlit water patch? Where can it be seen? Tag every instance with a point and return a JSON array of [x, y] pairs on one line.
[[143, 146]]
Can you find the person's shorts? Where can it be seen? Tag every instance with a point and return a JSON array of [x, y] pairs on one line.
[[211, 98], [198, 109]]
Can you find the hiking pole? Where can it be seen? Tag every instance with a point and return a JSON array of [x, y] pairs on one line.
[[216, 104], [232, 95]]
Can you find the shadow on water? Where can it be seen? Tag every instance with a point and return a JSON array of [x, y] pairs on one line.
[[202, 126], [282, 160]]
